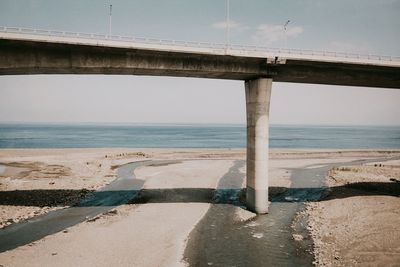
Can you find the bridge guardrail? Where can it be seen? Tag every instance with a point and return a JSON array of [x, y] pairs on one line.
[[215, 46]]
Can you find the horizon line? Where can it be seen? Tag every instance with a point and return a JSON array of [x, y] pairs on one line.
[[190, 124]]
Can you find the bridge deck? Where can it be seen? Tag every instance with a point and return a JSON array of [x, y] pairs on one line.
[[49, 52]]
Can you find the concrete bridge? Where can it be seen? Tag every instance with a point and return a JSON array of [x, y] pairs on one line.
[[29, 51]]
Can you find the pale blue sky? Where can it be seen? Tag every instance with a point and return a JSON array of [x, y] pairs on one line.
[[354, 26]]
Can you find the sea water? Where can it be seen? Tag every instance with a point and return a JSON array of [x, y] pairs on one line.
[[192, 136]]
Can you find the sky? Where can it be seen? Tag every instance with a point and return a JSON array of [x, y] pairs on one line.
[[360, 26]]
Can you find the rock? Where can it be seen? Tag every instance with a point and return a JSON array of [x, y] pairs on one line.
[[258, 235], [297, 237], [112, 212], [291, 199], [242, 215], [88, 219]]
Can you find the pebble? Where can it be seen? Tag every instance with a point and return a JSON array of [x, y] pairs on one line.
[[258, 235], [297, 237]]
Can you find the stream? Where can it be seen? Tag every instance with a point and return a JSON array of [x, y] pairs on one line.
[[265, 240], [118, 192]]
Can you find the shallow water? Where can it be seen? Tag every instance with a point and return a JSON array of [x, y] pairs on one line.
[[266, 240], [2, 169]]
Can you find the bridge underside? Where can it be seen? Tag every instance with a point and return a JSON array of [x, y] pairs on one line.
[[34, 57]]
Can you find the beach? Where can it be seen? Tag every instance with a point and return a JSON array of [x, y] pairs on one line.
[[185, 211]]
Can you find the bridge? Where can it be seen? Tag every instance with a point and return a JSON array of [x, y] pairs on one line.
[[32, 51]]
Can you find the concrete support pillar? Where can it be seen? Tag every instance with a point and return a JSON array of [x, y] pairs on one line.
[[258, 94]]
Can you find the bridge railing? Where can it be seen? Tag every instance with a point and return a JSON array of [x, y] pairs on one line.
[[190, 44]]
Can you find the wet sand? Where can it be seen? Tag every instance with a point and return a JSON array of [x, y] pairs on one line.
[[185, 213]]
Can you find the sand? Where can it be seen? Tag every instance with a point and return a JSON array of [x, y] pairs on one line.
[[358, 223], [33, 170], [152, 234], [149, 235], [146, 235]]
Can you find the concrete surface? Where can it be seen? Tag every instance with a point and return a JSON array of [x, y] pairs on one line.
[[24, 54], [258, 94]]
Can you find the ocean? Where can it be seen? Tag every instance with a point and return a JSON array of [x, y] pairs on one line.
[[192, 136]]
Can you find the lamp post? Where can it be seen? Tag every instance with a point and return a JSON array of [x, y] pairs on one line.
[[109, 24], [284, 29], [227, 26]]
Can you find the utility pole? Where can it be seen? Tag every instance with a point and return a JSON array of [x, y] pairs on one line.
[[109, 24]]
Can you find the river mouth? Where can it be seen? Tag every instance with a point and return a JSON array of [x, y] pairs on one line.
[[224, 241]]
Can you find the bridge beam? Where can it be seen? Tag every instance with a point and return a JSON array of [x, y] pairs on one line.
[[258, 94]]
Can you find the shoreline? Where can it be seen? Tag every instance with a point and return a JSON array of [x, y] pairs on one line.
[[192, 152]]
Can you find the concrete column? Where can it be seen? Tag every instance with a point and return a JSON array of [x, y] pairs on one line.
[[258, 94]]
